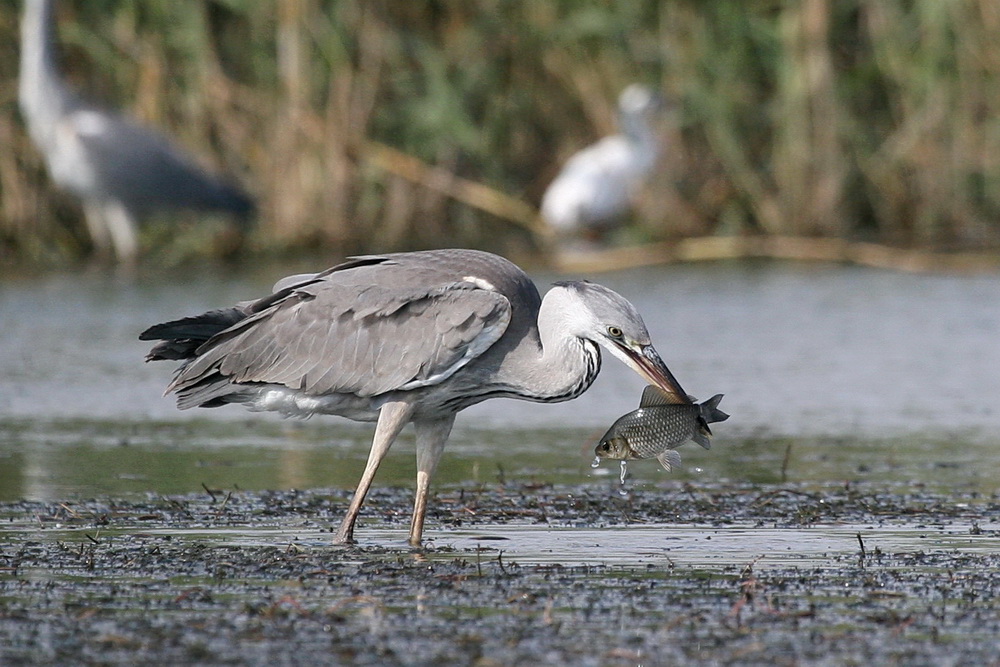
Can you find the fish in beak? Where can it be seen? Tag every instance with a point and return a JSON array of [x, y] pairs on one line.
[[646, 361]]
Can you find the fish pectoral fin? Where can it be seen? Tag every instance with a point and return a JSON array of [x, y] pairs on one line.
[[669, 459]]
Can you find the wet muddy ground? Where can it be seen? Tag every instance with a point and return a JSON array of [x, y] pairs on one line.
[[816, 573]]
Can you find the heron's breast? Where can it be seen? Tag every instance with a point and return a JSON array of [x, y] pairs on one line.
[[69, 163], [296, 403]]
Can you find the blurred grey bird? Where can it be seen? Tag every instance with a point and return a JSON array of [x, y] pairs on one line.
[[596, 186], [407, 337], [662, 422], [119, 170]]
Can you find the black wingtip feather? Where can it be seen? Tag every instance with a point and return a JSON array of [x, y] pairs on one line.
[[180, 339]]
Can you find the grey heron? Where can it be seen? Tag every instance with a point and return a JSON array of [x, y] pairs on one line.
[[596, 185], [407, 337], [120, 170]]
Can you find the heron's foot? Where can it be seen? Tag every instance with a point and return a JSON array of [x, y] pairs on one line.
[[344, 536]]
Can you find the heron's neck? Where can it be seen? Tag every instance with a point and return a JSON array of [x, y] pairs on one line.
[[41, 93], [636, 126], [565, 365]]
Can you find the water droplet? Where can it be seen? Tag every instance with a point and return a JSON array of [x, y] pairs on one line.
[[624, 472], [596, 462]]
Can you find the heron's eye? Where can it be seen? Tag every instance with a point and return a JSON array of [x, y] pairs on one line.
[[614, 332]]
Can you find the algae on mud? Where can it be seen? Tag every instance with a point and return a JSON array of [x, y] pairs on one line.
[[164, 580]]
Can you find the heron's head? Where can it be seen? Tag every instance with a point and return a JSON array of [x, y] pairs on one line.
[[596, 313], [637, 99]]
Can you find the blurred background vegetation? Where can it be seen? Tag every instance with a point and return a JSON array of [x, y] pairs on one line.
[[382, 125]]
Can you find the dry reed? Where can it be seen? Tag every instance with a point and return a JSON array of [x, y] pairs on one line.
[[366, 126]]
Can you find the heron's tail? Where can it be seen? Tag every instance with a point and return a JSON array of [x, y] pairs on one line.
[[230, 197], [180, 339]]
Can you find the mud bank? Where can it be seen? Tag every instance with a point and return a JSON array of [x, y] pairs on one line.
[[512, 575]]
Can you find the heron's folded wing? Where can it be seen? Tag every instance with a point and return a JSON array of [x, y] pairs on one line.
[[144, 169], [329, 337]]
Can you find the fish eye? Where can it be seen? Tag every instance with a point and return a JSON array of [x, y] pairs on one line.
[[614, 332], [605, 446]]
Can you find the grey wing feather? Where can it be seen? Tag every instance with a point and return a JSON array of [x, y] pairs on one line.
[[327, 337]]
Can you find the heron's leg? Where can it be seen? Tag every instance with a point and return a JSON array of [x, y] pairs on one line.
[[391, 420], [97, 227], [431, 436], [122, 227]]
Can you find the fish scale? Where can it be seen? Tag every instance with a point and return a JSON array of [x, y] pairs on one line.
[[651, 430]]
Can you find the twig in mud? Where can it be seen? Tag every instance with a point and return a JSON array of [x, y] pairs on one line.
[[689, 489], [748, 568], [365, 601], [70, 511], [93, 539], [861, 542], [184, 595], [784, 463], [765, 499], [177, 504], [322, 572], [747, 589], [547, 618], [500, 561], [903, 624], [208, 491], [289, 601], [624, 504]]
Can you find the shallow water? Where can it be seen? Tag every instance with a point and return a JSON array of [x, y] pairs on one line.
[[830, 372], [81, 458], [667, 545], [797, 349]]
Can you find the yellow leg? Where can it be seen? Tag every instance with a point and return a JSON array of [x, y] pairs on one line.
[[391, 420], [122, 229], [431, 436]]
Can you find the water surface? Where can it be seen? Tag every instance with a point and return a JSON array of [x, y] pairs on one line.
[[850, 372]]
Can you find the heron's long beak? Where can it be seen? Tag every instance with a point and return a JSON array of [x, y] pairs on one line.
[[650, 366]]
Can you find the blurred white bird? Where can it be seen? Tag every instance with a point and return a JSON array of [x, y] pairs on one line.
[[120, 170], [595, 188]]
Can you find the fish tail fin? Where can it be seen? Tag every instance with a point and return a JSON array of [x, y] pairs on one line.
[[711, 412], [669, 459]]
